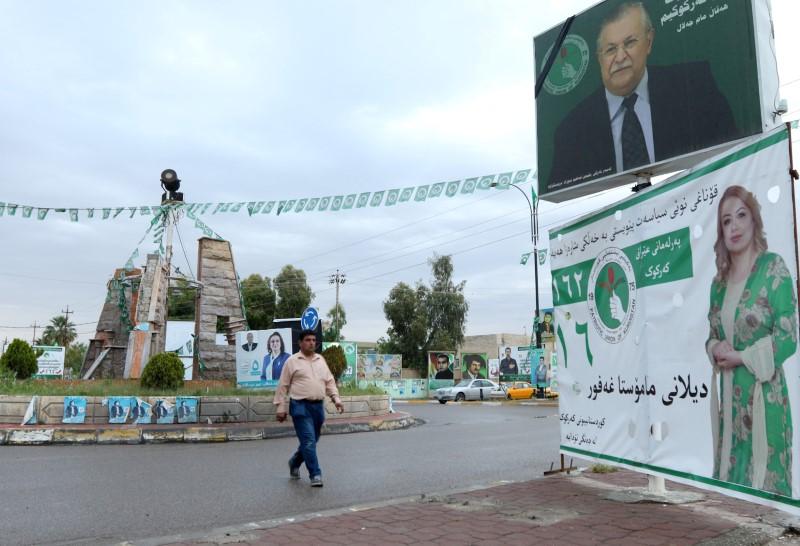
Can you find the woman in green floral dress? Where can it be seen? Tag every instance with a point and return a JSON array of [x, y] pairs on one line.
[[753, 331]]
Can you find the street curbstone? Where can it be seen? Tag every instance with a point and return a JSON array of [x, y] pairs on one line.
[[73, 436], [199, 434], [162, 436], [278, 432], [36, 437], [238, 435], [120, 436]]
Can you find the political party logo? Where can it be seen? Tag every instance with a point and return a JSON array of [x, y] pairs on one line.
[[569, 66], [612, 295]]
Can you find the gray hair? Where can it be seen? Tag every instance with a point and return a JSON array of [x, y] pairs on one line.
[[620, 11]]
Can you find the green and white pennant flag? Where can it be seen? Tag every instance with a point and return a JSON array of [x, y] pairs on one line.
[[421, 193], [486, 182], [406, 194], [324, 203], [90, 213], [349, 201], [301, 205], [144, 211], [237, 207], [312, 204], [2, 208], [392, 196], [106, 213], [41, 214], [436, 190], [337, 202], [118, 211], [504, 181], [542, 257], [26, 211], [268, 207], [363, 200], [73, 215], [469, 185], [12, 209], [521, 176], [377, 197], [524, 258], [452, 188]]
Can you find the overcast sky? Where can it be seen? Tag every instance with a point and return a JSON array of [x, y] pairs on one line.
[[252, 101]]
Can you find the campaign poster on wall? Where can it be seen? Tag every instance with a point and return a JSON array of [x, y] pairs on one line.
[[141, 411], [164, 411], [119, 408], [260, 356], [678, 341], [186, 409], [51, 362], [440, 369], [380, 367], [652, 88], [74, 410], [474, 366], [179, 339], [514, 363], [350, 349]]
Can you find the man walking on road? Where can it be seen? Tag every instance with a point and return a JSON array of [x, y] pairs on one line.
[[305, 381]]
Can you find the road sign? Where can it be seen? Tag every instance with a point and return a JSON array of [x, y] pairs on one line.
[[309, 319]]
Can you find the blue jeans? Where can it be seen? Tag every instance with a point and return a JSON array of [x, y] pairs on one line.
[[307, 418]]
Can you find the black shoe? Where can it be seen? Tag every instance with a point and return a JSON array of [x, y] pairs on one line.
[[316, 481], [294, 472]]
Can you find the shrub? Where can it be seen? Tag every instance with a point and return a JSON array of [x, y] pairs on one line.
[[337, 363], [163, 371], [20, 358]]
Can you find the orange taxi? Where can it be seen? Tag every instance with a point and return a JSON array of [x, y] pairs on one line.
[[519, 390]]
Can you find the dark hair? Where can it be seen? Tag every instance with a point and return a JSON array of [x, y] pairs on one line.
[[470, 358], [443, 355], [304, 334], [283, 347]]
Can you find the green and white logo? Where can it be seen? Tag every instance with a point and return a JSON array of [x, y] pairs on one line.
[[569, 66], [612, 295]]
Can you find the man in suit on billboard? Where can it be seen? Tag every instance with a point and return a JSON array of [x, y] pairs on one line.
[[642, 114]]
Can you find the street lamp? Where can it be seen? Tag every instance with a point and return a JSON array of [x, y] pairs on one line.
[[532, 207]]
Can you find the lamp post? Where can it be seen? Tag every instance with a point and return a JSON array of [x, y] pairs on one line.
[[532, 207], [337, 279]]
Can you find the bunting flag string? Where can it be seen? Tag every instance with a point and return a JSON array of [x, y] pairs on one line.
[[332, 203]]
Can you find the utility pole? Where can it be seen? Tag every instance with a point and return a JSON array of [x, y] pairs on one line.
[[337, 279], [34, 326], [67, 313], [5, 342]]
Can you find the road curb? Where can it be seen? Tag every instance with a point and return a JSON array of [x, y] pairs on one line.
[[130, 435]]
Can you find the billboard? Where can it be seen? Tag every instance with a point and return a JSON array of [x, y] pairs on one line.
[[677, 344], [515, 364], [350, 349], [650, 87], [440, 369], [474, 366], [375, 367], [260, 356], [51, 362]]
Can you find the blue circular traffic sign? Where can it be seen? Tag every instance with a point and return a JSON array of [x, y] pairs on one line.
[[310, 319]]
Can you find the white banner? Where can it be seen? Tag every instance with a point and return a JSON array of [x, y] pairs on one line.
[[676, 327], [50, 362]]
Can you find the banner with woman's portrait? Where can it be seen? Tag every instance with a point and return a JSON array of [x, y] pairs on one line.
[[260, 356], [676, 327]]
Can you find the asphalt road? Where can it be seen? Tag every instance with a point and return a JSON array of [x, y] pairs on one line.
[[106, 494]]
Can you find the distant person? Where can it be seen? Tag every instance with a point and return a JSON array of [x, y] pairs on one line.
[[276, 357], [641, 114], [304, 383], [476, 365], [250, 345], [443, 370], [508, 366]]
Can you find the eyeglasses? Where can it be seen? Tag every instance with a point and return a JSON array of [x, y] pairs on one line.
[[613, 49]]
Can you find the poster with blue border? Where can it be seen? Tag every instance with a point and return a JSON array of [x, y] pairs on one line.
[[186, 409], [119, 408], [74, 410], [164, 412]]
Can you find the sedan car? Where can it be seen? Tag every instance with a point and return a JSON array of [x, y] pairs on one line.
[[519, 390], [467, 389]]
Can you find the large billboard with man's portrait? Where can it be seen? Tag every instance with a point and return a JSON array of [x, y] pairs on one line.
[[677, 328], [649, 87]]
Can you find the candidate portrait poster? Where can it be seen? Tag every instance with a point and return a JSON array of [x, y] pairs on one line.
[[474, 366], [632, 90], [260, 356], [676, 326], [381, 367], [74, 410], [514, 364], [440, 369]]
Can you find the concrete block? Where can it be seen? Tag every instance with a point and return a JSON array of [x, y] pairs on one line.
[[119, 436], [200, 434], [12, 408], [162, 436], [74, 436], [51, 410], [260, 409], [30, 437], [223, 409], [239, 434]]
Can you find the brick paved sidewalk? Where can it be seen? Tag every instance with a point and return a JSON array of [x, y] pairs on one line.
[[555, 510]]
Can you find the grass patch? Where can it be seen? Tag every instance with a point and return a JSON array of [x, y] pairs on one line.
[[603, 468], [131, 387]]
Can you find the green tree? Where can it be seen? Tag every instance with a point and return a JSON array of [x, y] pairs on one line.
[[259, 301], [19, 358], [73, 359], [181, 301], [425, 318], [337, 318], [60, 330], [294, 294]]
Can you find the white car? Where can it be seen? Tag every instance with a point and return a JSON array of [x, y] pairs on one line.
[[467, 389]]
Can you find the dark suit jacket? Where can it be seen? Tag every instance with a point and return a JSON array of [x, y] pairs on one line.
[[688, 113], [444, 374], [250, 346]]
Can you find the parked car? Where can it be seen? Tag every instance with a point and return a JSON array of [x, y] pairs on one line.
[[519, 390], [467, 389]]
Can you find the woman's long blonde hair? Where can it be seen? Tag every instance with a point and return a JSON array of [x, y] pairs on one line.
[[759, 239]]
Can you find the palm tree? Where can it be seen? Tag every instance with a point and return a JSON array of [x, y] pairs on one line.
[[60, 330]]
